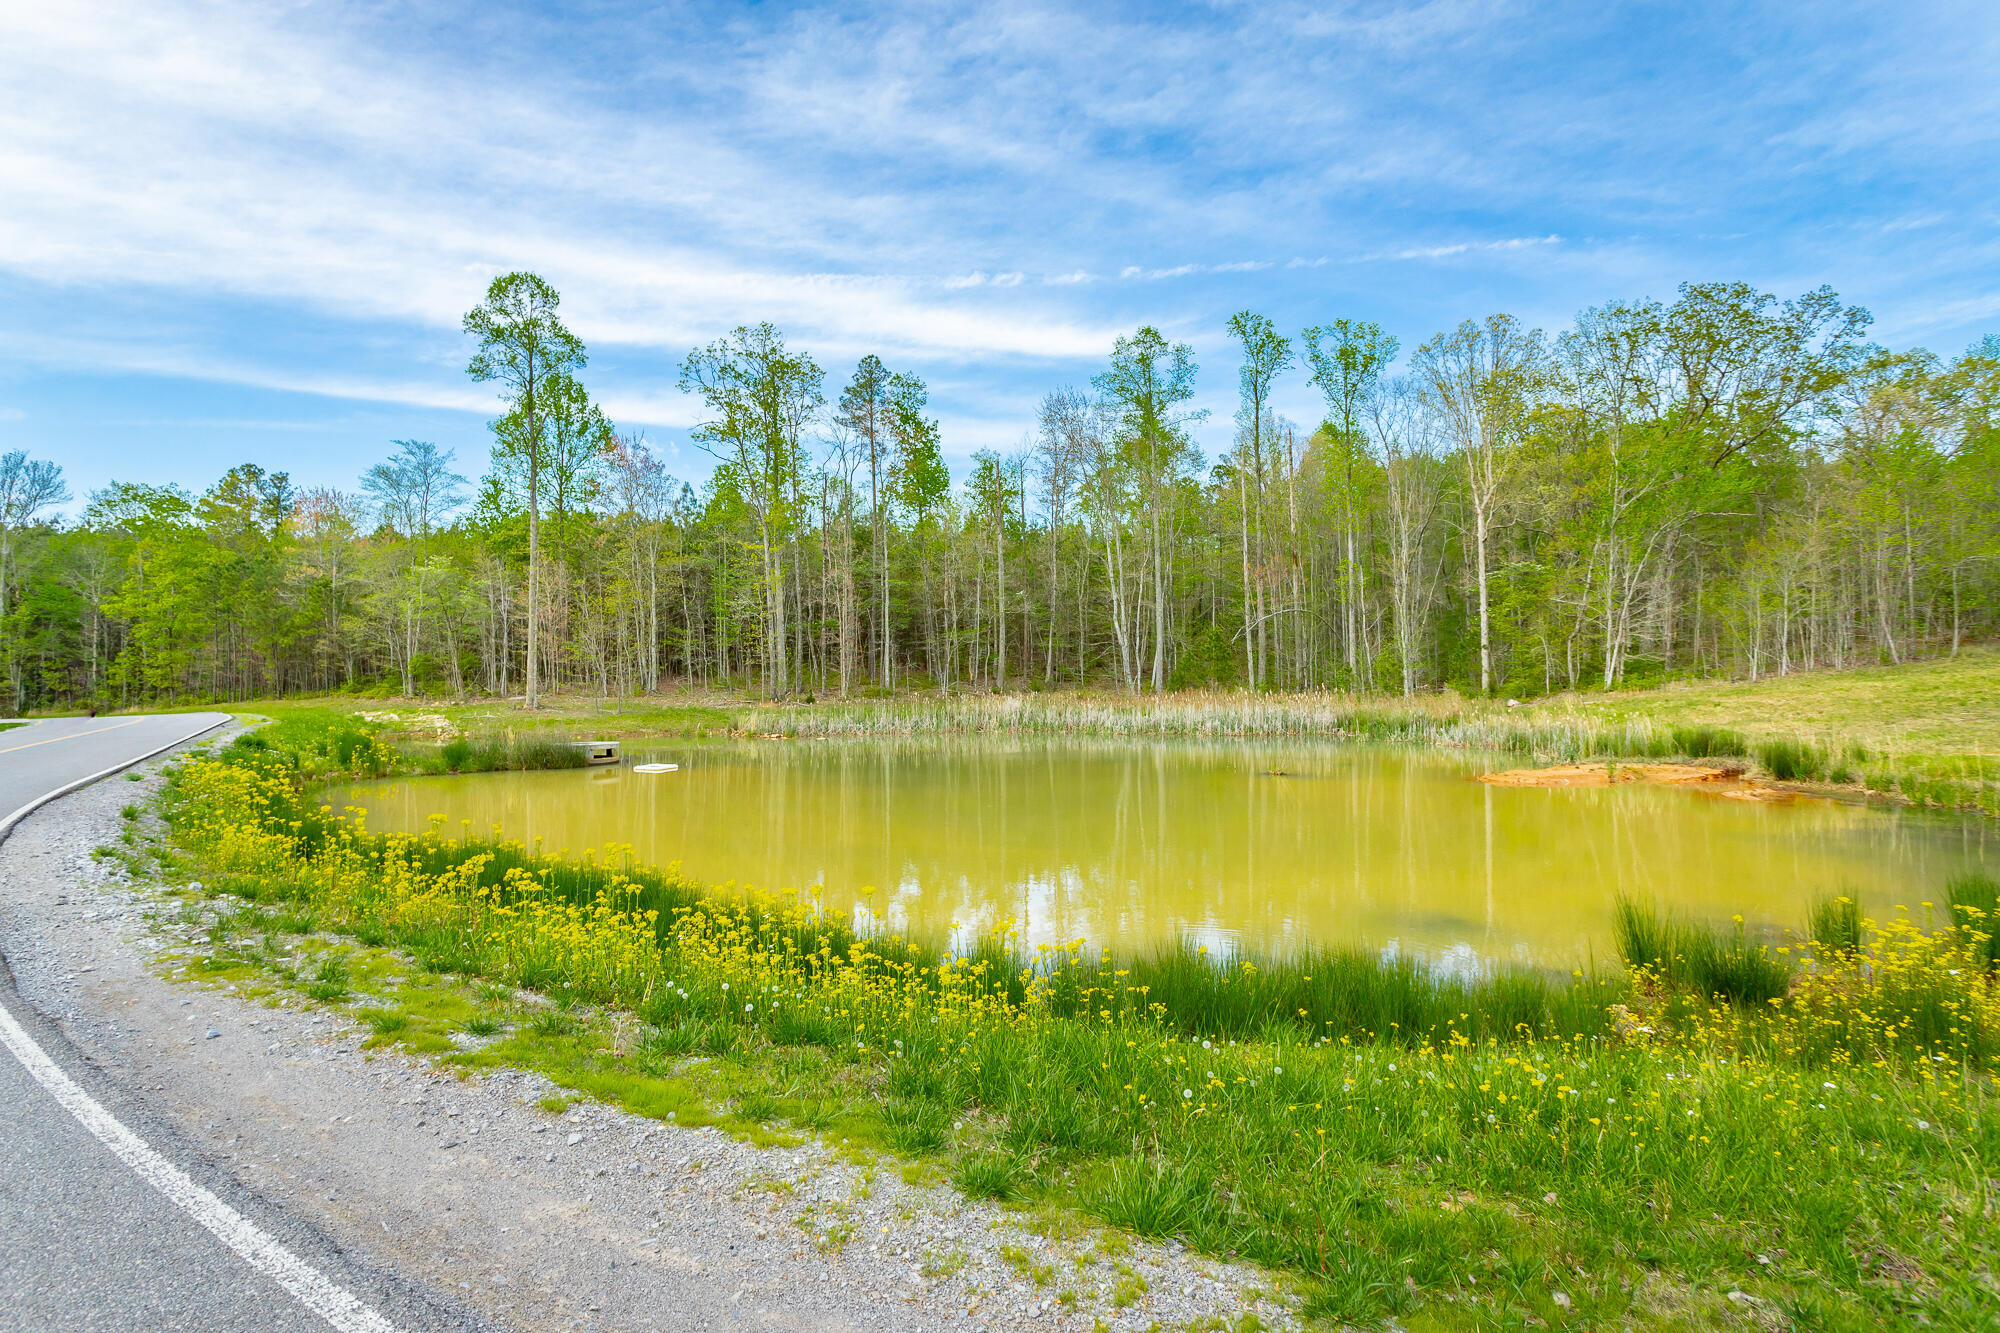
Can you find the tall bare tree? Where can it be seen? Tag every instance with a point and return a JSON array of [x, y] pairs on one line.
[[1482, 380], [1348, 358]]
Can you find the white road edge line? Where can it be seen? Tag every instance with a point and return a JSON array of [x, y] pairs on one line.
[[339, 1308]]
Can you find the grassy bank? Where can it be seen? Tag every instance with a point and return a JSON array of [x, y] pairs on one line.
[[1809, 1127], [314, 743], [1926, 732]]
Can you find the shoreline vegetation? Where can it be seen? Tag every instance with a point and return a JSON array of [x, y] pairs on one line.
[[1802, 1130], [1925, 734]]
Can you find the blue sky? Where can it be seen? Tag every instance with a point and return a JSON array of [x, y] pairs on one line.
[[235, 232]]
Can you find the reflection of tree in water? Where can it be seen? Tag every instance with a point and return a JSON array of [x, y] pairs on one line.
[[1148, 843]]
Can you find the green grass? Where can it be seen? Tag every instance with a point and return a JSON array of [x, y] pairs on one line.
[[1477, 1174], [1834, 923], [1692, 957], [487, 754], [1409, 1149], [989, 1173], [1938, 707], [330, 980], [1974, 902]]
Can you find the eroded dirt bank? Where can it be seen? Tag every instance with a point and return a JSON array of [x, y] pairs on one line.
[[1716, 779], [592, 1219]]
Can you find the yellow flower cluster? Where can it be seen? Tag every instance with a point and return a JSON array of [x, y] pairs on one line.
[[595, 932], [1902, 992]]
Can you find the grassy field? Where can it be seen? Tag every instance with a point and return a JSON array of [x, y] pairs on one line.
[[1950, 706], [1803, 1136]]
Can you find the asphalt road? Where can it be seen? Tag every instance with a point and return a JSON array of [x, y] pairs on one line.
[[108, 1221], [46, 756]]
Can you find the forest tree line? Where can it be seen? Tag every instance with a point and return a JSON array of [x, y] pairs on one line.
[[1727, 484]]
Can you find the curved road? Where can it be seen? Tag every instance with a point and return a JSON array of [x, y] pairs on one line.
[[44, 757], [106, 1220]]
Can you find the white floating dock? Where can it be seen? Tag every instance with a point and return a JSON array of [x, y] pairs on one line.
[[656, 768]]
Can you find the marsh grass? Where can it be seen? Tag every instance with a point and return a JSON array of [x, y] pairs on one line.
[[496, 753], [1834, 923], [326, 743], [1326, 992], [1895, 732], [1974, 900], [1354, 994], [1791, 760], [1690, 956], [1561, 734]]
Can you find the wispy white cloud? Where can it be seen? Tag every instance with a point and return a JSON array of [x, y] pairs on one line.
[[980, 279], [952, 186], [1461, 248], [144, 150], [175, 362], [1190, 270]]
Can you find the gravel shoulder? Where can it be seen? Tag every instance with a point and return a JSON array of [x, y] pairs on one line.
[[592, 1219]]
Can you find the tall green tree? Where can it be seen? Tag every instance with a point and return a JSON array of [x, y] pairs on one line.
[[922, 489], [28, 488], [1149, 380], [413, 489], [1348, 358], [760, 398], [1483, 380], [866, 407], [524, 347], [1266, 355]]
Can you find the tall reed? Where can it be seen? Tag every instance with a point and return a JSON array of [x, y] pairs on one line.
[[1834, 923], [1218, 715], [1974, 900], [489, 754], [1688, 955]]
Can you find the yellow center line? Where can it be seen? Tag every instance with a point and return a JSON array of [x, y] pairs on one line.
[[74, 735]]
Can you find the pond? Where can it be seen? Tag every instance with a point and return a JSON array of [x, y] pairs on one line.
[[1254, 846]]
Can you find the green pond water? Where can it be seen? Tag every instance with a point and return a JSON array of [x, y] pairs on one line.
[[1263, 847]]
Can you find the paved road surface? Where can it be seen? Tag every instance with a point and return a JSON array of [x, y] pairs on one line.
[[88, 1242], [46, 756]]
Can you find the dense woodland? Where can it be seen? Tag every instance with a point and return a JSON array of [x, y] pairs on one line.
[[1727, 484]]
